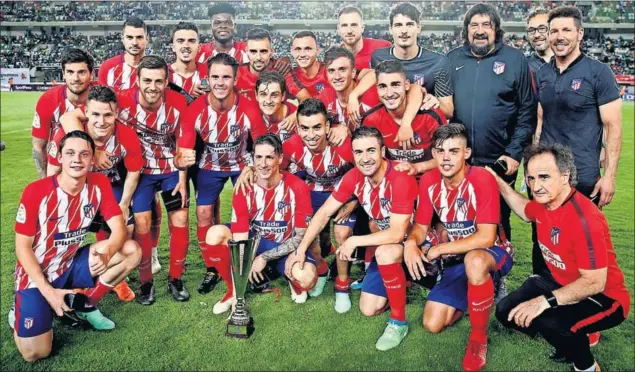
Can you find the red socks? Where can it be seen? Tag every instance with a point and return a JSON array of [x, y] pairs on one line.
[[201, 234], [222, 257], [179, 241], [145, 266], [480, 299], [395, 282], [342, 285], [323, 268], [96, 293]]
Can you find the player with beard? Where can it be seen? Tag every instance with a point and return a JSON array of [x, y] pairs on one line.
[[77, 67], [309, 78], [185, 71], [270, 89], [224, 120], [120, 72], [538, 35], [260, 53], [52, 222], [155, 113], [222, 17]]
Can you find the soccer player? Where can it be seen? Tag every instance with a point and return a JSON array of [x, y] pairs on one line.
[[270, 89], [120, 72], [583, 290], [538, 35], [53, 218], [309, 78], [467, 203], [260, 53], [224, 120], [223, 29], [388, 196], [185, 72], [392, 87], [277, 209], [155, 113], [77, 67]]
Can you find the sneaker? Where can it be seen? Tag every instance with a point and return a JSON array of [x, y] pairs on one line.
[[124, 292], [342, 302], [223, 306], [392, 337], [177, 290], [594, 338], [11, 317], [500, 291], [210, 279], [475, 356], [357, 284], [298, 298], [319, 286], [97, 320], [146, 294], [596, 367], [156, 265]]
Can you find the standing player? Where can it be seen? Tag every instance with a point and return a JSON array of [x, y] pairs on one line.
[[185, 72], [466, 200], [309, 78], [277, 209], [260, 53], [388, 196], [77, 67], [222, 19], [270, 89], [155, 113], [52, 221], [538, 35], [120, 72], [224, 120]]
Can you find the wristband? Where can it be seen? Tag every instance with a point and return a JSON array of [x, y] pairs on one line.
[[552, 300], [427, 250]]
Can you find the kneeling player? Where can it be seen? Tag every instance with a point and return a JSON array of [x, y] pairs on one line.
[[277, 208], [270, 94], [52, 221], [466, 200]]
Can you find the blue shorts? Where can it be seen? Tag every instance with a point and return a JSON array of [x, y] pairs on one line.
[[318, 198], [210, 185], [278, 264], [33, 314], [149, 185]]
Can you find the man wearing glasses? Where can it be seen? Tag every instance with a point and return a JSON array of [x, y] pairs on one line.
[[538, 35]]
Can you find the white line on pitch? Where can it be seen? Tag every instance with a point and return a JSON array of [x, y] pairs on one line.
[[16, 131]]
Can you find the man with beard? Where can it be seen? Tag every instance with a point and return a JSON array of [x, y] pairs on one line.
[[260, 53], [538, 34], [155, 113], [270, 89], [309, 78], [77, 67], [224, 120], [120, 72], [493, 95], [185, 71], [222, 19]]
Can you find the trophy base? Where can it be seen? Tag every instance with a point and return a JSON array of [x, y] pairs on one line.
[[240, 330]]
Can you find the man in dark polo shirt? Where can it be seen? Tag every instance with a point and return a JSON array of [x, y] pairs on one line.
[[579, 99], [538, 35], [493, 95]]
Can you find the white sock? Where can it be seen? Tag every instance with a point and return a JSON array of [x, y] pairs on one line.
[[590, 369]]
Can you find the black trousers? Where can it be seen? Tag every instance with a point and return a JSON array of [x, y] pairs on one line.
[[564, 327]]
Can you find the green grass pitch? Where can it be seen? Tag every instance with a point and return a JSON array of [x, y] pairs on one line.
[[187, 336]]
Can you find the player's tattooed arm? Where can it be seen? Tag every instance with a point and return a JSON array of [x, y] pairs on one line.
[[39, 156], [285, 248]]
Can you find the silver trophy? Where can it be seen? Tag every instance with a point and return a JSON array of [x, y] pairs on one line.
[[240, 324]]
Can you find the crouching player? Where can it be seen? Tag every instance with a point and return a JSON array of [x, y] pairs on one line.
[[467, 202], [277, 208], [52, 221]]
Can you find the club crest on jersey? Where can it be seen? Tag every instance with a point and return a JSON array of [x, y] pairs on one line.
[[332, 169], [89, 210], [461, 204], [417, 138], [385, 203], [576, 84], [499, 67], [21, 216], [319, 87], [28, 323], [419, 79], [234, 130], [555, 235], [165, 127], [283, 207]]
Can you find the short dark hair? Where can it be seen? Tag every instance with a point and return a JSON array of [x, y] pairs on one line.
[[221, 8], [184, 26], [368, 132], [76, 134], [312, 106], [268, 77], [223, 59], [135, 22], [336, 52], [483, 9], [103, 94], [152, 62], [258, 34], [271, 140], [536, 12], [406, 9], [304, 33], [350, 9], [448, 131], [390, 67], [567, 12], [561, 154], [76, 55]]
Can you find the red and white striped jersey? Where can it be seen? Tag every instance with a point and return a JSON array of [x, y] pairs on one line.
[[117, 74], [59, 222], [123, 144], [396, 193], [188, 83], [272, 127], [338, 114], [49, 109], [423, 127], [157, 130], [238, 51], [273, 213], [297, 80], [324, 171], [224, 134]]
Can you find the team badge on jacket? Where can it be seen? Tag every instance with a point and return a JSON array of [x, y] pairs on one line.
[[499, 67], [576, 84]]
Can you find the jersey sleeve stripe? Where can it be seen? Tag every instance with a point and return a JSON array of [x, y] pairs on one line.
[[434, 115], [587, 232]]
